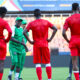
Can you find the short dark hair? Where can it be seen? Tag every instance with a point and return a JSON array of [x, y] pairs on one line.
[[75, 6], [3, 10], [37, 13]]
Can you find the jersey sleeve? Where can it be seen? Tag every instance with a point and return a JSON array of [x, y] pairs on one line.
[[50, 24], [66, 24], [13, 31], [6, 26], [28, 27]]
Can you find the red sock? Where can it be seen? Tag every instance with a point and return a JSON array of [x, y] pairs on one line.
[[76, 74], [49, 72], [39, 73], [1, 74]]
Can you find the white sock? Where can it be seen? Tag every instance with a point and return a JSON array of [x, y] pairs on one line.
[[16, 76], [38, 65], [48, 65], [49, 79], [10, 72]]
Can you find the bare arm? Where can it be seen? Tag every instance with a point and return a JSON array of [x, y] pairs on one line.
[[25, 31], [12, 39], [53, 34], [65, 36]]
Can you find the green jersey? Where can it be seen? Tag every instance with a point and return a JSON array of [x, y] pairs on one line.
[[17, 34]]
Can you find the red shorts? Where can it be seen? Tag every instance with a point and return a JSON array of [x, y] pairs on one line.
[[75, 46], [41, 55], [2, 49]]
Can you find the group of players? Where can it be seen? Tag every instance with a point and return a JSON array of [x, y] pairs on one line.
[[18, 36]]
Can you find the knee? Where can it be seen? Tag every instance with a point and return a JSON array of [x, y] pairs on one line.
[[17, 69]]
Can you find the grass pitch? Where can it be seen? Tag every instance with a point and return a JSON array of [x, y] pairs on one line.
[[30, 74]]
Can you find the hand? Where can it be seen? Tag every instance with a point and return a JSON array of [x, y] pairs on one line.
[[32, 42], [49, 40], [25, 46]]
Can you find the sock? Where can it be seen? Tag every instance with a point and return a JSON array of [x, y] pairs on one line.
[[76, 74], [49, 71], [1, 75], [10, 72], [39, 71], [16, 76]]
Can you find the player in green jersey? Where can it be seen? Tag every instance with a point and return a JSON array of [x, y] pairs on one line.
[[24, 22], [15, 48]]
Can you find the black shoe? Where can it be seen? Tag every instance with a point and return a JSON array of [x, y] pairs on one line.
[[9, 77], [20, 79], [69, 78]]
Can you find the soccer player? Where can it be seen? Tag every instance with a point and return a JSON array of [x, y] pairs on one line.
[[15, 48], [24, 22], [73, 22], [40, 41], [3, 41]]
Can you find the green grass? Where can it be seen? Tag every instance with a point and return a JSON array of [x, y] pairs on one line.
[[30, 74]]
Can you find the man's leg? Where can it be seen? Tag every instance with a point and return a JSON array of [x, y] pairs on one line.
[[37, 61], [49, 71], [46, 60], [1, 68], [11, 70], [14, 62], [19, 56], [70, 70], [2, 56], [39, 71], [22, 63], [75, 67]]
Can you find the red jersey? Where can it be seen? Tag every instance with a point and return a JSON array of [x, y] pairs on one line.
[[73, 23], [4, 25], [39, 29]]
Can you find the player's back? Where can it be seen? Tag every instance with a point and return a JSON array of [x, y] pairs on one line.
[[40, 29], [2, 27], [74, 24]]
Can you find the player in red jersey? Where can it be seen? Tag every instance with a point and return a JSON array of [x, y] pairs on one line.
[[73, 23], [41, 52], [3, 41]]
